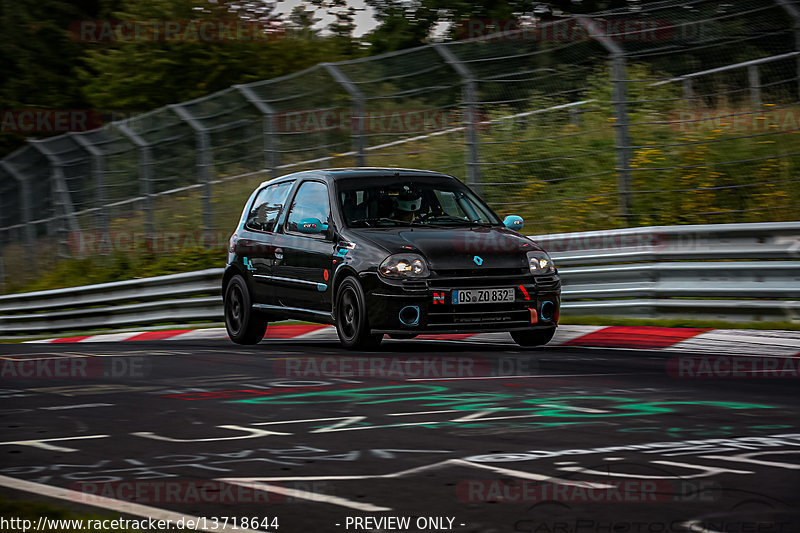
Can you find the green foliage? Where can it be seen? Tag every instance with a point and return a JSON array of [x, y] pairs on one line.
[[122, 266], [141, 75], [404, 24], [38, 59]]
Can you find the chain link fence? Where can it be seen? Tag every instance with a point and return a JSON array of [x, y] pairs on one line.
[[676, 112]]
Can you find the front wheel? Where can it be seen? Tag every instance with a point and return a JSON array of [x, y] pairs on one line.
[[533, 337], [352, 325], [244, 325]]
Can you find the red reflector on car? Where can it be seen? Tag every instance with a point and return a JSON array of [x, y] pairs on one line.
[[534, 315], [524, 293]]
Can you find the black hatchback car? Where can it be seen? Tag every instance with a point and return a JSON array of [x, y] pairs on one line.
[[384, 251]]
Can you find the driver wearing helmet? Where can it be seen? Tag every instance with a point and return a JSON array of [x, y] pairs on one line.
[[407, 205]]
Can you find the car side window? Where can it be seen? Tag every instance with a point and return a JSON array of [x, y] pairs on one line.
[[449, 203], [311, 201], [267, 206]]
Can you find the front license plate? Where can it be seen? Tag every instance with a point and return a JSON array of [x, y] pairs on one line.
[[482, 296]]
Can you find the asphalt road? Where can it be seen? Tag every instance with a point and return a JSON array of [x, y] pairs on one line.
[[473, 437]]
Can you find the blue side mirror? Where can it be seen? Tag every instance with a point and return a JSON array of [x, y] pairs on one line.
[[514, 222], [311, 226]]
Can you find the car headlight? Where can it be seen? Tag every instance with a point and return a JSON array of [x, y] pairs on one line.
[[404, 266], [540, 263]]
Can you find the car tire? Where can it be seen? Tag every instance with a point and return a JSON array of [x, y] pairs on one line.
[[533, 337], [244, 325], [352, 324]]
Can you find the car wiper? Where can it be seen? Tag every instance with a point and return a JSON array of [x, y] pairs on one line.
[[450, 218], [369, 221]]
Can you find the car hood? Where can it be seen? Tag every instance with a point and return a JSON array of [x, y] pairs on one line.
[[454, 248]]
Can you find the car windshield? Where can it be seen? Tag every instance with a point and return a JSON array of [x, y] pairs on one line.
[[404, 202]]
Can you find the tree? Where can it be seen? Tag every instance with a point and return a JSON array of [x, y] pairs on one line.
[[38, 59], [140, 75], [406, 24]]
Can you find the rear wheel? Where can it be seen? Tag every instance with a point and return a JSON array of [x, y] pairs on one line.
[[352, 325], [244, 325], [533, 337]]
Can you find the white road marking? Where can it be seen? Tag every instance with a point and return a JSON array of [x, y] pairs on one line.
[[111, 337], [534, 377], [79, 406], [112, 504], [306, 495], [254, 482], [696, 526], [741, 342], [43, 443]]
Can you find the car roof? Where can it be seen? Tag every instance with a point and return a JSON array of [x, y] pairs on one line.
[[355, 172]]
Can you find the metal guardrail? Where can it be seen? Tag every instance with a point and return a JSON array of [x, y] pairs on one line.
[[722, 271], [729, 272], [174, 298]]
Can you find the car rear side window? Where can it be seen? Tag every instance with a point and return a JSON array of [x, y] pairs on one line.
[[311, 201], [267, 206]]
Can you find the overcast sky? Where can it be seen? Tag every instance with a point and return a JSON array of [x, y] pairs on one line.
[[364, 19]]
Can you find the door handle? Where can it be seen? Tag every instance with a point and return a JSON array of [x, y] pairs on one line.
[[278, 253]]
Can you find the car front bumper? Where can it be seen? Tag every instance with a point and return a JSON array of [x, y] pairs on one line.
[[426, 306]]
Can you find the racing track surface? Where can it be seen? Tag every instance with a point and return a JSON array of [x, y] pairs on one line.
[[559, 439]]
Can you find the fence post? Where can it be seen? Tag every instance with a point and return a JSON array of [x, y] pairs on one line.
[[268, 127], [619, 100], [26, 207], [61, 197], [469, 97], [357, 100], [98, 169], [688, 90], [145, 174], [793, 11], [755, 86], [203, 161]]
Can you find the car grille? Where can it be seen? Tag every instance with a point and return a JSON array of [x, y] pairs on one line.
[[472, 278], [547, 283], [494, 277]]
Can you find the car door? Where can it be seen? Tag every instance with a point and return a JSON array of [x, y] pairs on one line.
[[303, 274], [259, 240]]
